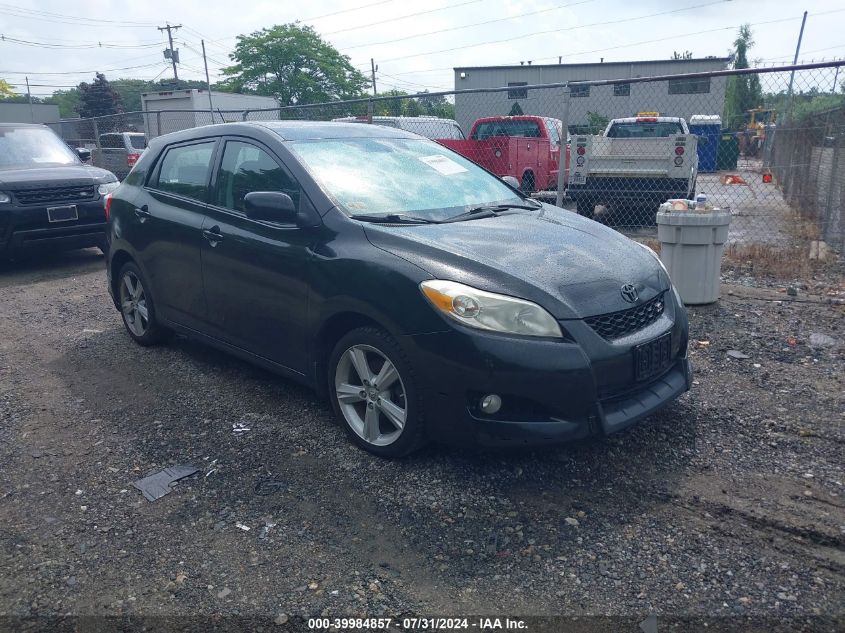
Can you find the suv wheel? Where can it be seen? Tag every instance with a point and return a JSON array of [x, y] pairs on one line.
[[137, 308], [374, 392]]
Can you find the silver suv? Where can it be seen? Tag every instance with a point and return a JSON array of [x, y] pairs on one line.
[[119, 151]]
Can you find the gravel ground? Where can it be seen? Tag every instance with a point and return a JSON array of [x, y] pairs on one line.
[[728, 504]]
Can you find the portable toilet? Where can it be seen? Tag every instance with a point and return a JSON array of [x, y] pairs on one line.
[[708, 128]]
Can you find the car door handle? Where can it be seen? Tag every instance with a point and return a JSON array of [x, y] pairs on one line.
[[213, 236], [143, 213]]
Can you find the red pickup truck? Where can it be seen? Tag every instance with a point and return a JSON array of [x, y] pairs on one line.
[[525, 147]]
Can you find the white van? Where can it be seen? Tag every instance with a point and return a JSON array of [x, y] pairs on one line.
[[429, 126]]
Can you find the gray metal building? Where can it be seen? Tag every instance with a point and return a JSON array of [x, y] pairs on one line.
[[680, 98]]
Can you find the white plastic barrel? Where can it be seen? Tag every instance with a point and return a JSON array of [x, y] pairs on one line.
[[691, 246]]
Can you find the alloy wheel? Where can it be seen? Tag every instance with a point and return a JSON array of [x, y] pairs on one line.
[[133, 304], [371, 395]]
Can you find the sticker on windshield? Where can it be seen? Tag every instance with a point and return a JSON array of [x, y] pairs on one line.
[[444, 165]]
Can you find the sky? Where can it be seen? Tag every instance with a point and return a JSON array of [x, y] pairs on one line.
[[415, 44]]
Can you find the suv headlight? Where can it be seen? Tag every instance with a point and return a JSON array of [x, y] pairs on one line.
[[5, 198], [107, 187], [489, 311]]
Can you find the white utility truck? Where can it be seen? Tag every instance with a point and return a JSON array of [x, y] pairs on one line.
[[638, 163]]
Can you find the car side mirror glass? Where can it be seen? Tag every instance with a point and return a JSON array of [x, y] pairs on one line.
[[511, 181], [84, 154], [270, 206]]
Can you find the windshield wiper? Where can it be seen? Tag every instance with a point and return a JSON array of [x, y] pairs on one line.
[[393, 218], [489, 210]]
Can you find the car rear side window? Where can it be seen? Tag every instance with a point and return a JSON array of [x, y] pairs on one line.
[[184, 170], [111, 141], [245, 168], [138, 141]]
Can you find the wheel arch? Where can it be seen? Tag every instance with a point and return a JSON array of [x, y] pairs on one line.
[[118, 261]]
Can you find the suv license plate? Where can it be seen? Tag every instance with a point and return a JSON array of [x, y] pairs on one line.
[[62, 214], [653, 357]]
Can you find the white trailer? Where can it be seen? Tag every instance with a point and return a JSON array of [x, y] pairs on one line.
[[174, 110]]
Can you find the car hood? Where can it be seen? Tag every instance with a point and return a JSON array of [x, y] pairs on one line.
[[572, 266], [55, 176]]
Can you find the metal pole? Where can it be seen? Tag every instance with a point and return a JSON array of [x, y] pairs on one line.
[[96, 134], [373, 70], [370, 112], [207, 82], [29, 96], [562, 172], [169, 28], [794, 62], [835, 79]]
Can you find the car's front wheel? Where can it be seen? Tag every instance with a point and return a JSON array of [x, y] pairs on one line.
[[137, 307], [374, 393]]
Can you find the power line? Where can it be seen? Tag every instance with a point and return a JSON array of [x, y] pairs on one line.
[[466, 26], [77, 72], [555, 30], [46, 16], [652, 41], [402, 17], [80, 45]]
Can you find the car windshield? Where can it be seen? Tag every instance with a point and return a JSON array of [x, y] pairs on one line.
[[33, 147], [381, 176], [138, 141], [644, 130], [530, 129]]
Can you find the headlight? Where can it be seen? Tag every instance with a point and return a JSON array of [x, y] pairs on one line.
[[490, 311], [5, 198], [107, 187], [653, 254]]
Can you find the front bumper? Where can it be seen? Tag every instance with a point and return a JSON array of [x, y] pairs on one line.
[[27, 229], [552, 391]]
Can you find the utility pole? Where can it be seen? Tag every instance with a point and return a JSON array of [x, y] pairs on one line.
[[373, 68], [29, 96], [171, 53], [207, 82], [795, 61]]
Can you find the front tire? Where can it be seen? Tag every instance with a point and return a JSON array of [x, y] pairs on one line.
[[374, 393], [137, 307]]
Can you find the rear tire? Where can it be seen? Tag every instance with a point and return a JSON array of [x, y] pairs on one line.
[[528, 183], [374, 393], [137, 308]]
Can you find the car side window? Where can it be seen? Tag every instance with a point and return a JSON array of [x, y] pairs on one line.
[[111, 141], [245, 168], [554, 136], [184, 170]]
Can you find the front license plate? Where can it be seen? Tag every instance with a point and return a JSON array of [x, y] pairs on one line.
[[62, 214], [653, 357]]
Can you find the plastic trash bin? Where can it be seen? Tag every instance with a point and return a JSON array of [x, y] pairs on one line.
[[691, 245], [728, 154], [708, 128]]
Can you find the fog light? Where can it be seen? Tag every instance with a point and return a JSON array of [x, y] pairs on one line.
[[491, 404]]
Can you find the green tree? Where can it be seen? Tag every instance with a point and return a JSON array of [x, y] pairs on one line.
[[743, 91], [68, 102], [294, 64], [516, 109], [684, 55], [98, 98], [437, 106], [597, 122]]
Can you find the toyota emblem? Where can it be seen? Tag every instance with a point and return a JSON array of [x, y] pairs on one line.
[[629, 293]]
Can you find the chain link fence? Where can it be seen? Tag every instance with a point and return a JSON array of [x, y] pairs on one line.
[[627, 145]]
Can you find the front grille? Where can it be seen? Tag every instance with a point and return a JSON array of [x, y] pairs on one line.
[[618, 324], [55, 195]]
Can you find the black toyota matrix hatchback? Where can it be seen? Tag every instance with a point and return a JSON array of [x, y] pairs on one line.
[[423, 295]]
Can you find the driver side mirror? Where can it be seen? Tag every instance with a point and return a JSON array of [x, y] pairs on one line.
[[270, 206], [511, 181], [84, 154]]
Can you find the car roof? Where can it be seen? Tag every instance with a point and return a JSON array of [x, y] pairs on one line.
[[23, 125], [652, 119]]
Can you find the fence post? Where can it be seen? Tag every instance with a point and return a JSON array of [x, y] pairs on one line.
[[832, 182], [96, 133], [158, 122], [244, 115], [562, 173], [370, 111]]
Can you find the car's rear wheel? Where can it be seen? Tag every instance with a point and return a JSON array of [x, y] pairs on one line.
[[137, 307], [374, 393]]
